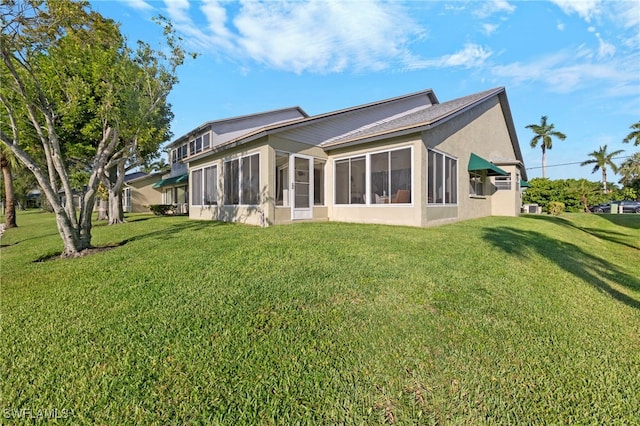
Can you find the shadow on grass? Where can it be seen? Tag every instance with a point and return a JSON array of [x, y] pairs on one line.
[[612, 236], [569, 257], [30, 238], [628, 220], [165, 234], [169, 233]]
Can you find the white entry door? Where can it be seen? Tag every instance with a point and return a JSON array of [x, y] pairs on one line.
[[301, 187]]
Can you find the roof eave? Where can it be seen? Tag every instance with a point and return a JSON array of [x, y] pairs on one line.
[[415, 128]]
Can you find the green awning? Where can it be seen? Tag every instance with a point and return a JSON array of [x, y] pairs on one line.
[[477, 163], [524, 184], [175, 180]]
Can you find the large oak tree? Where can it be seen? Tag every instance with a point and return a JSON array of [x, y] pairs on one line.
[[92, 103]]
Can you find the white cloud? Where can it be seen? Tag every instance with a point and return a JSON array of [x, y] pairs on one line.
[[138, 4], [585, 9], [315, 36], [471, 56], [492, 7], [560, 26], [605, 49], [568, 71], [489, 29]]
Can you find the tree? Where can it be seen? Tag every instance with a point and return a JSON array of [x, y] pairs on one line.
[[574, 194], [601, 159], [630, 172], [68, 73], [154, 166], [634, 135], [544, 135], [8, 163]]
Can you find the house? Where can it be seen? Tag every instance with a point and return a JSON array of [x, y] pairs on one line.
[[138, 193], [175, 190], [409, 160]]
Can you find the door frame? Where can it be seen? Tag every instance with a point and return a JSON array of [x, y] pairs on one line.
[[299, 213]]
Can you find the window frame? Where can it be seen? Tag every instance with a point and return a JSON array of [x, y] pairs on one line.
[[233, 186], [367, 172], [445, 170], [477, 180], [503, 183], [203, 186]]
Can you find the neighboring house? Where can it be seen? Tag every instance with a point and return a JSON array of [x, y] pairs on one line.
[[175, 190], [408, 160], [138, 193]]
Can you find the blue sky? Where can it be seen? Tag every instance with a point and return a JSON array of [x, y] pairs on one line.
[[578, 62]]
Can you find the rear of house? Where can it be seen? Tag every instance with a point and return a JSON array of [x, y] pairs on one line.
[[409, 160]]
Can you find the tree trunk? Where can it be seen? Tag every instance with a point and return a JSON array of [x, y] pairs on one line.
[[102, 209], [115, 177], [116, 215], [604, 180], [10, 211], [544, 162]]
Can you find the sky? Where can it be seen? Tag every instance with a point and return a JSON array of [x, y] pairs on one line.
[[575, 61]]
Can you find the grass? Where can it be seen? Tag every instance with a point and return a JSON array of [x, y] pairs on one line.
[[493, 321]]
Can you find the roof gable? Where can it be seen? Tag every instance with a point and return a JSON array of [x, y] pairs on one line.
[[322, 128], [414, 121], [234, 127]]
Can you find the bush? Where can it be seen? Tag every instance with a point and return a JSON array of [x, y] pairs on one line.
[[161, 209], [556, 207]]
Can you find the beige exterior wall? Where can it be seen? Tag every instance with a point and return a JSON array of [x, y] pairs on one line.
[[143, 195], [482, 131], [249, 214], [279, 215], [396, 214], [508, 202], [266, 213]]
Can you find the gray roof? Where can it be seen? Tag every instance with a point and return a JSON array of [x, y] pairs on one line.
[[415, 118], [426, 117]]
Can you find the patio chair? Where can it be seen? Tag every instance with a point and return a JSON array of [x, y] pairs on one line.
[[402, 196]]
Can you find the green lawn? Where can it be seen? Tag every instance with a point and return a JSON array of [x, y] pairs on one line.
[[530, 320]]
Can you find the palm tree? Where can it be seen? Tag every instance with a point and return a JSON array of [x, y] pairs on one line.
[[7, 162], [601, 159], [630, 171], [634, 135], [544, 133]]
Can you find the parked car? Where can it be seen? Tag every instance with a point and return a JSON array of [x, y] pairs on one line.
[[624, 206], [601, 208]]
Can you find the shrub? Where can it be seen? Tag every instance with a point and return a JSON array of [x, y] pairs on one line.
[[556, 207], [161, 209]]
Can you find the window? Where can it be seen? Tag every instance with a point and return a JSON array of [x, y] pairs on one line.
[[503, 182], [182, 194], [350, 180], [232, 182], [242, 180], [168, 196], [184, 151], [192, 147], [388, 178], [476, 183], [127, 200], [174, 156], [210, 184], [318, 182], [206, 141], [196, 187], [198, 144], [442, 181], [250, 172], [391, 177], [282, 179]]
